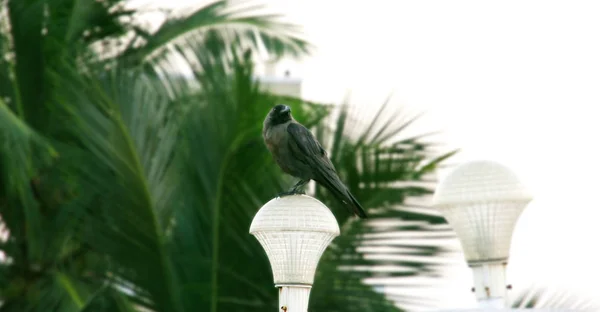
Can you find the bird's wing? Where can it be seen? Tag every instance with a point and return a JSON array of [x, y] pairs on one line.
[[303, 144], [307, 150]]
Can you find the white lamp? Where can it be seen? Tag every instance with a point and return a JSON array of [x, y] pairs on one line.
[[482, 201], [294, 231]]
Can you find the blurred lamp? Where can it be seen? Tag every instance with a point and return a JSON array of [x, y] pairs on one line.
[[482, 201], [294, 231]]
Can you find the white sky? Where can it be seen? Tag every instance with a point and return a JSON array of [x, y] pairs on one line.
[[513, 81]]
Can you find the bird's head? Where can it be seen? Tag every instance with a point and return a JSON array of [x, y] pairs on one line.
[[280, 114]]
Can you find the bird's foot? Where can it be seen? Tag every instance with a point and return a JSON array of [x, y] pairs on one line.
[[297, 189], [299, 192]]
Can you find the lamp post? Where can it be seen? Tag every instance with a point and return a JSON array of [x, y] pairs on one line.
[[482, 201], [294, 231]]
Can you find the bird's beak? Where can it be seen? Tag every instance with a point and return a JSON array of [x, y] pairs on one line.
[[286, 110]]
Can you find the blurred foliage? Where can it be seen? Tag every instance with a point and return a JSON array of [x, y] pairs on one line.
[[125, 186], [552, 298]]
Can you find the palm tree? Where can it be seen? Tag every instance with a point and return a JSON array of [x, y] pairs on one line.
[[125, 187]]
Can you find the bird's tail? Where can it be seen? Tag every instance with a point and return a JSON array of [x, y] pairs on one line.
[[356, 207], [341, 192]]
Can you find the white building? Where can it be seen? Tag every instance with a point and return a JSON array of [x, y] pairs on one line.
[[280, 83]]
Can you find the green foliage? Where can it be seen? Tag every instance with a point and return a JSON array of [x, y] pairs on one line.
[[384, 169], [126, 187], [538, 297]]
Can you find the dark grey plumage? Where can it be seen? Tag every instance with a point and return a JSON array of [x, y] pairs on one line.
[[299, 154]]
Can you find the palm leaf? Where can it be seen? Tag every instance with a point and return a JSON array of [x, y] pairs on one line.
[[552, 298], [224, 119], [110, 198], [390, 175], [116, 170], [239, 27], [22, 153]]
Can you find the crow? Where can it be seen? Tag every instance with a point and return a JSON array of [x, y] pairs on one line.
[[299, 154]]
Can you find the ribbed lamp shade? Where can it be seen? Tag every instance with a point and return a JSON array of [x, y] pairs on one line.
[[482, 201], [294, 231]]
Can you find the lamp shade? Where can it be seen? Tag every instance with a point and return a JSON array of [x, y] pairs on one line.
[[294, 231], [482, 201]]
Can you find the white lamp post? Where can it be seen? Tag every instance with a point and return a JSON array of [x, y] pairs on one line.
[[294, 231], [482, 201]]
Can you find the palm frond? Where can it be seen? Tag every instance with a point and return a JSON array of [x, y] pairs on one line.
[[226, 179], [26, 34], [23, 153], [238, 28], [121, 167], [391, 175], [553, 298]]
